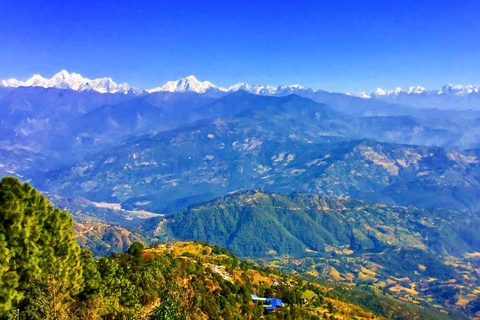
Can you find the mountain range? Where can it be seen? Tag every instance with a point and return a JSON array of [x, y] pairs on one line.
[[170, 149], [440, 98], [73, 81], [416, 90], [282, 144]]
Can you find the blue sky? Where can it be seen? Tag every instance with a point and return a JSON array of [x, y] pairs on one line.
[[332, 45]]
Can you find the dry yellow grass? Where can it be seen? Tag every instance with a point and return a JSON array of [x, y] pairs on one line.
[[464, 300], [333, 273], [399, 288], [472, 255], [368, 272]]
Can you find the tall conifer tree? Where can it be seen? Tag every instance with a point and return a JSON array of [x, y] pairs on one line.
[[36, 243]]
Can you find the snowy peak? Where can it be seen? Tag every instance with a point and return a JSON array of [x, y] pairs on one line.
[[73, 81], [269, 90], [189, 83], [458, 89], [36, 81], [65, 80], [10, 83], [381, 92], [240, 86], [415, 90], [361, 94], [256, 89], [449, 89]]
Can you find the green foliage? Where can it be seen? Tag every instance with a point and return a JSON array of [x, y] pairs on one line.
[[405, 262], [36, 243], [259, 224], [167, 310], [35, 304], [136, 249]]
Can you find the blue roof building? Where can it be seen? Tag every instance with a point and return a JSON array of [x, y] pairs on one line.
[[274, 304], [270, 304]]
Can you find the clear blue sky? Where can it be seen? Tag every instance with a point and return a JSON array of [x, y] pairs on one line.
[[331, 45]]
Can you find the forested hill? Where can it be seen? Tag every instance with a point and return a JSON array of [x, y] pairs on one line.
[[104, 239], [258, 224], [44, 275]]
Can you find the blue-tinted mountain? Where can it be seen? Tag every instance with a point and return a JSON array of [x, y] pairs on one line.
[[166, 150], [289, 144], [32, 109]]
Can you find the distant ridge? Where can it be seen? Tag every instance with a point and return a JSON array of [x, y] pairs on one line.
[[75, 81], [189, 83], [448, 89]]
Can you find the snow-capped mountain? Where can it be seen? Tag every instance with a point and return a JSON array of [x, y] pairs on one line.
[[397, 91], [189, 83], [73, 81], [458, 90], [456, 97], [10, 83], [269, 90]]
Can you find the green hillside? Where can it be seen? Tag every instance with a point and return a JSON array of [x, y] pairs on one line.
[[103, 239], [255, 223], [45, 276], [416, 254]]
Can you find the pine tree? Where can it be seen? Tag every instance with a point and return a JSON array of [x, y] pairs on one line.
[[36, 243]]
